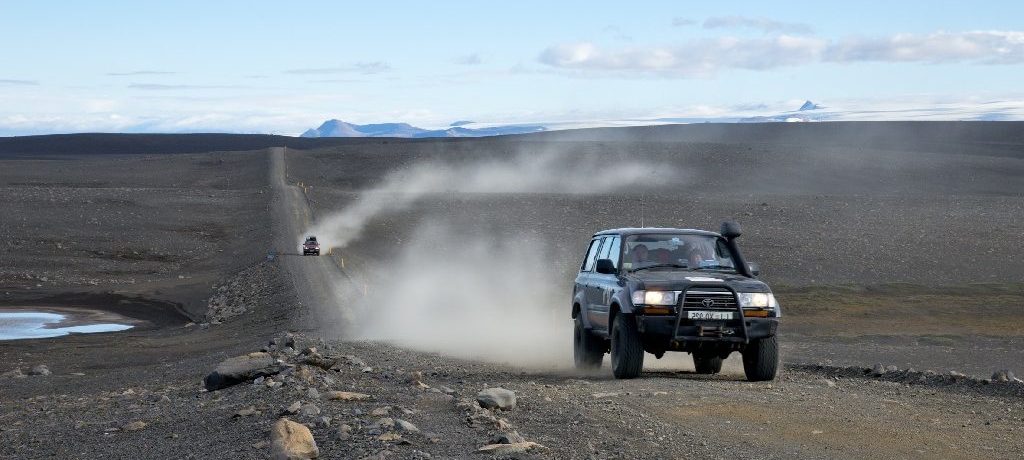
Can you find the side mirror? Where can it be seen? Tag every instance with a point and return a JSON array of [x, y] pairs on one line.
[[754, 268], [731, 230], [605, 266]]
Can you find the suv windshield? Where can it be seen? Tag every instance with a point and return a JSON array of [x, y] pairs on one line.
[[694, 252]]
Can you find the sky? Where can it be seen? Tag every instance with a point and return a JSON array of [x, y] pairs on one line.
[[282, 67]]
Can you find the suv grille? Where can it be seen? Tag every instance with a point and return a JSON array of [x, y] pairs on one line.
[[709, 299]]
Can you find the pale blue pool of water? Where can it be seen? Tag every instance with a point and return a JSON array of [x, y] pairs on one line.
[[41, 325]]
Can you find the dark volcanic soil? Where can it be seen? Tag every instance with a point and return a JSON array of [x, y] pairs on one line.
[[886, 243]]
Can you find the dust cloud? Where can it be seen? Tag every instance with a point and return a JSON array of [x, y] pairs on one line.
[[493, 294], [531, 172], [471, 296]]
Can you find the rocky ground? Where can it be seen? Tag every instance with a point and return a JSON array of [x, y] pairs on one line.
[[891, 348], [362, 400]]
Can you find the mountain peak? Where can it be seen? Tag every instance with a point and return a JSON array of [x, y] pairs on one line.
[[338, 128], [808, 105]]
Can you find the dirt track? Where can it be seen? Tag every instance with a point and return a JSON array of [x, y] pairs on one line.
[[810, 412]]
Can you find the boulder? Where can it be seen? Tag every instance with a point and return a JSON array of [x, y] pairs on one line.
[[509, 437], [13, 374], [135, 426], [249, 411], [309, 410], [497, 398], [343, 433], [304, 374], [346, 396], [292, 441], [39, 370], [1003, 376], [505, 449], [246, 368], [385, 423], [406, 426], [293, 408]]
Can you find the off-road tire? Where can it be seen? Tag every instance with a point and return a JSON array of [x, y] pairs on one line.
[[627, 351], [761, 359], [705, 364], [587, 350]]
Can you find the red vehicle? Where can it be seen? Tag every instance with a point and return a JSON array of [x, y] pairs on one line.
[[311, 247]]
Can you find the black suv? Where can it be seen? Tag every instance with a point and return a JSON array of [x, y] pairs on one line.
[[311, 246], [668, 289]]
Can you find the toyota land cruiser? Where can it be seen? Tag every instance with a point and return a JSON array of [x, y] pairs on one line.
[[667, 289]]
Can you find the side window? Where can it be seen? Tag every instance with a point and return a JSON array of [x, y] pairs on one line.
[[588, 261], [613, 251]]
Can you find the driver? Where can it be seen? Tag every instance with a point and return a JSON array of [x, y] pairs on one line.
[[697, 255]]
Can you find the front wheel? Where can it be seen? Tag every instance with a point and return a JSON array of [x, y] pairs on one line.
[[587, 350], [761, 359], [627, 351]]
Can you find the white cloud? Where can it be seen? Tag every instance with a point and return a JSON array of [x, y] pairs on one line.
[[983, 47], [171, 87], [139, 73], [10, 82], [365, 68], [697, 58], [763, 24], [469, 59], [705, 57]]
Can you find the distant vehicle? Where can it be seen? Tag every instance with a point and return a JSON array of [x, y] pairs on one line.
[[668, 289], [311, 246]]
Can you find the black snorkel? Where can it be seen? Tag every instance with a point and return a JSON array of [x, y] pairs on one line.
[[731, 231]]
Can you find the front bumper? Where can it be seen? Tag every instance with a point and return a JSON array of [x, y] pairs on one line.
[[663, 328]]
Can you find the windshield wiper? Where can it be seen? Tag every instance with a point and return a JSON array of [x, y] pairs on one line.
[[661, 266], [714, 267]]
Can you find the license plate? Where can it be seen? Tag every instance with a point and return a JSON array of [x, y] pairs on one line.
[[712, 315]]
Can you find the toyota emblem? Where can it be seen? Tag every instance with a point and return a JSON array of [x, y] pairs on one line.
[[708, 303]]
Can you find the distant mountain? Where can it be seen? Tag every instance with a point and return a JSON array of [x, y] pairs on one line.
[[338, 128], [808, 105], [791, 116]]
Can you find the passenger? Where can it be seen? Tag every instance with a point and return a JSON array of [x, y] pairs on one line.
[[639, 254]]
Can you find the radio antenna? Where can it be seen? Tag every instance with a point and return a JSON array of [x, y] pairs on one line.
[[642, 196]]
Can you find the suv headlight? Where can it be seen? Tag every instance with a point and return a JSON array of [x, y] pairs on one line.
[[655, 297], [759, 300]]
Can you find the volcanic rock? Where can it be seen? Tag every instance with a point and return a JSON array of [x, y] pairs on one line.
[[233, 371], [497, 398], [505, 449], [346, 396], [292, 441]]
